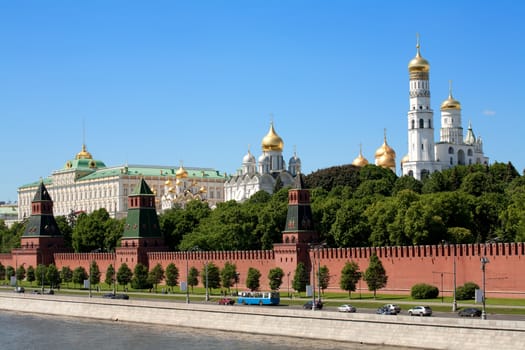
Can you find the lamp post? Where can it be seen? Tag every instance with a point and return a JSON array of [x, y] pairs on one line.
[[484, 261], [454, 302], [288, 275], [187, 278], [315, 247], [206, 273]]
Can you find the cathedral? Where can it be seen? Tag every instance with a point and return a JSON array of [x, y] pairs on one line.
[[425, 155], [262, 175]]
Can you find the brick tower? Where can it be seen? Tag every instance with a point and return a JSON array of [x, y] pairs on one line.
[[141, 231], [41, 236], [299, 231]]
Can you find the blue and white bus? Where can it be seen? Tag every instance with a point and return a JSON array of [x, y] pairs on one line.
[[258, 298]]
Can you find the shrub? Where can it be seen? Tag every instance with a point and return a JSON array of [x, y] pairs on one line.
[[424, 291], [466, 291]]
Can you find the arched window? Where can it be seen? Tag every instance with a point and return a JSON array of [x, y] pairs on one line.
[[469, 152], [451, 161], [421, 123], [450, 150], [410, 173], [413, 123], [430, 124]]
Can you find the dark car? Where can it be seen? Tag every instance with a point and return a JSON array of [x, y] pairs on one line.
[[115, 296], [19, 289], [470, 312], [383, 310], [308, 305], [226, 301]]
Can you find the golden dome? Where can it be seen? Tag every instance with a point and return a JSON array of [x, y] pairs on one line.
[[418, 63], [84, 154], [386, 161], [202, 190], [385, 149], [360, 161], [272, 141], [450, 102], [181, 173], [168, 182], [178, 182], [405, 159]]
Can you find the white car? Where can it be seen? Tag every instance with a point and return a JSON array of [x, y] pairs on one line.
[[393, 308], [420, 311], [346, 308]]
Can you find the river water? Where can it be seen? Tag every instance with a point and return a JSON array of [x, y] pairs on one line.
[[28, 331]]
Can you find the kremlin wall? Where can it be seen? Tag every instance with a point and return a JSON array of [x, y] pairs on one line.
[[405, 266]]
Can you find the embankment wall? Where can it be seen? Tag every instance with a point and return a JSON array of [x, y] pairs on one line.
[[428, 333]]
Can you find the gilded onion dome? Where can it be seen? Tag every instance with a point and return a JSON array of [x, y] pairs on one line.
[[181, 173], [84, 154], [360, 161], [405, 159], [272, 141], [418, 63], [386, 161], [450, 102], [168, 183], [385, 155], [385, 149]]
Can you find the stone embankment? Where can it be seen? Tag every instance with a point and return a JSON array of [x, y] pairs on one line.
[[427, 333]]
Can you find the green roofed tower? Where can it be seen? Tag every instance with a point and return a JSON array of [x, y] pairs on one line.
[[41, 222], [141, 231]]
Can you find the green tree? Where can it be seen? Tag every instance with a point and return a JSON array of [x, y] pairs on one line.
[[177, 222], [20, 273], [253, 279], [140, 277], [172, 275], [214, 276], [350, 276], [9, 272], [110, 275], [30, 275], [2, 271], [53, 276], [66, 274], [275, 276], [78, 277], [228, 275], [124, 275], [156, 275], [65, 229], [94, 273], [96, 232], [301, 278], [375, 275], [41, 273], [324, 277], [193, 277]]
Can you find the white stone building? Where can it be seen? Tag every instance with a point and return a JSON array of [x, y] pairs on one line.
[[85, 185], [426, 156], [262, 175]]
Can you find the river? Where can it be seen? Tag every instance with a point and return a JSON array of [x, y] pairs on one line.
[[29, 331]]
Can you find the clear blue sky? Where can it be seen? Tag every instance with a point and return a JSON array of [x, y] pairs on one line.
[[157, 82]]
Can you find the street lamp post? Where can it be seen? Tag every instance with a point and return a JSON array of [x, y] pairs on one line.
[[314, 248], [454, 302], [484, 261], [187, 278], [442, 287], [206, 273], [288, 275]]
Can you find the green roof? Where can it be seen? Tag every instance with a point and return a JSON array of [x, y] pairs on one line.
[[136, 170]]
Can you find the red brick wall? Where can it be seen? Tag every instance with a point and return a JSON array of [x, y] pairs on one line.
[[405, 266]]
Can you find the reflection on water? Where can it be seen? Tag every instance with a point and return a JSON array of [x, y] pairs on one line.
[[24, 331]]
